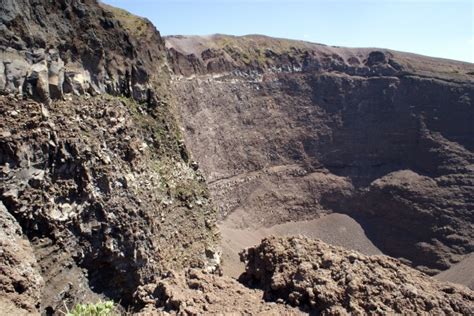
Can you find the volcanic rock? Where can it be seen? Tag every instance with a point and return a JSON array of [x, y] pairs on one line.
[[330, 280], [103, 191], [296, 130], [21, 283], [195, 292]]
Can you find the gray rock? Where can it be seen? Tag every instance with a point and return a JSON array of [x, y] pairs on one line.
[[3, 80], [8, 11], [77, 82], [30, 174], [376, 58], [15, 73], [56, 77], [140, 92], [38, 81]]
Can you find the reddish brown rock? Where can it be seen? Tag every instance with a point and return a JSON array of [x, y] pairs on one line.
[[330, 280], [195, 292]]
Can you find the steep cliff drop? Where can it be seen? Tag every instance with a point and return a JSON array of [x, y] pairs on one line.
[[93, 167], [290, 131], [100, 198]]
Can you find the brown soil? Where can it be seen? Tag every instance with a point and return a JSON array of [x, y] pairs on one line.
[[461, 273]]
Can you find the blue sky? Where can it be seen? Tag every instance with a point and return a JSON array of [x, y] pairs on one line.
[[440, 28]]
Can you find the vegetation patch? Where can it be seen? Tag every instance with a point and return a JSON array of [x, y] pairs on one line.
[[133, 24], [106, 308]]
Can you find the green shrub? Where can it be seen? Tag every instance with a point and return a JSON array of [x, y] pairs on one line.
[[97, 309]]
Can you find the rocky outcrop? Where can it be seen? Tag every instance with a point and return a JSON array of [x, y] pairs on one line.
[[93, 168], [100, 197], [102, 192], [295, 130], [54, 48], [432, 215], [194, 292], [21, 284], [329, 280], [253, 55]]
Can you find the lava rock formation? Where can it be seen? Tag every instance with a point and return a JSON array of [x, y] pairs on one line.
[[120, 151]]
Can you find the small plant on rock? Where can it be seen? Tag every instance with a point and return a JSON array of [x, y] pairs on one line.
[[98, 309]]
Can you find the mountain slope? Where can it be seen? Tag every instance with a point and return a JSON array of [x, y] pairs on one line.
[[101, 199], [287, 130]]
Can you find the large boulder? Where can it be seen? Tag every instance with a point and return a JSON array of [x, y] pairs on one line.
[[37, 81], [16, 70], [77, 81], [56, 76]]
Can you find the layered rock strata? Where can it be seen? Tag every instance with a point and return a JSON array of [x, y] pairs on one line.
[[287, 130]]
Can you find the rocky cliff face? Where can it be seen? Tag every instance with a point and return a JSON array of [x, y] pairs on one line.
[[53, 48], [288, 130], [93, 167], [100, 198]]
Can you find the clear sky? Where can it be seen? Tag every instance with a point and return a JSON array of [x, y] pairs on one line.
[[440, 28]]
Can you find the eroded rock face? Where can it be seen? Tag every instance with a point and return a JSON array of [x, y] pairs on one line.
[[21, 283], [330, 280], [431, 214], [296, 129], [104, 196], [102, 186], [95, 174], [51, 48]]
